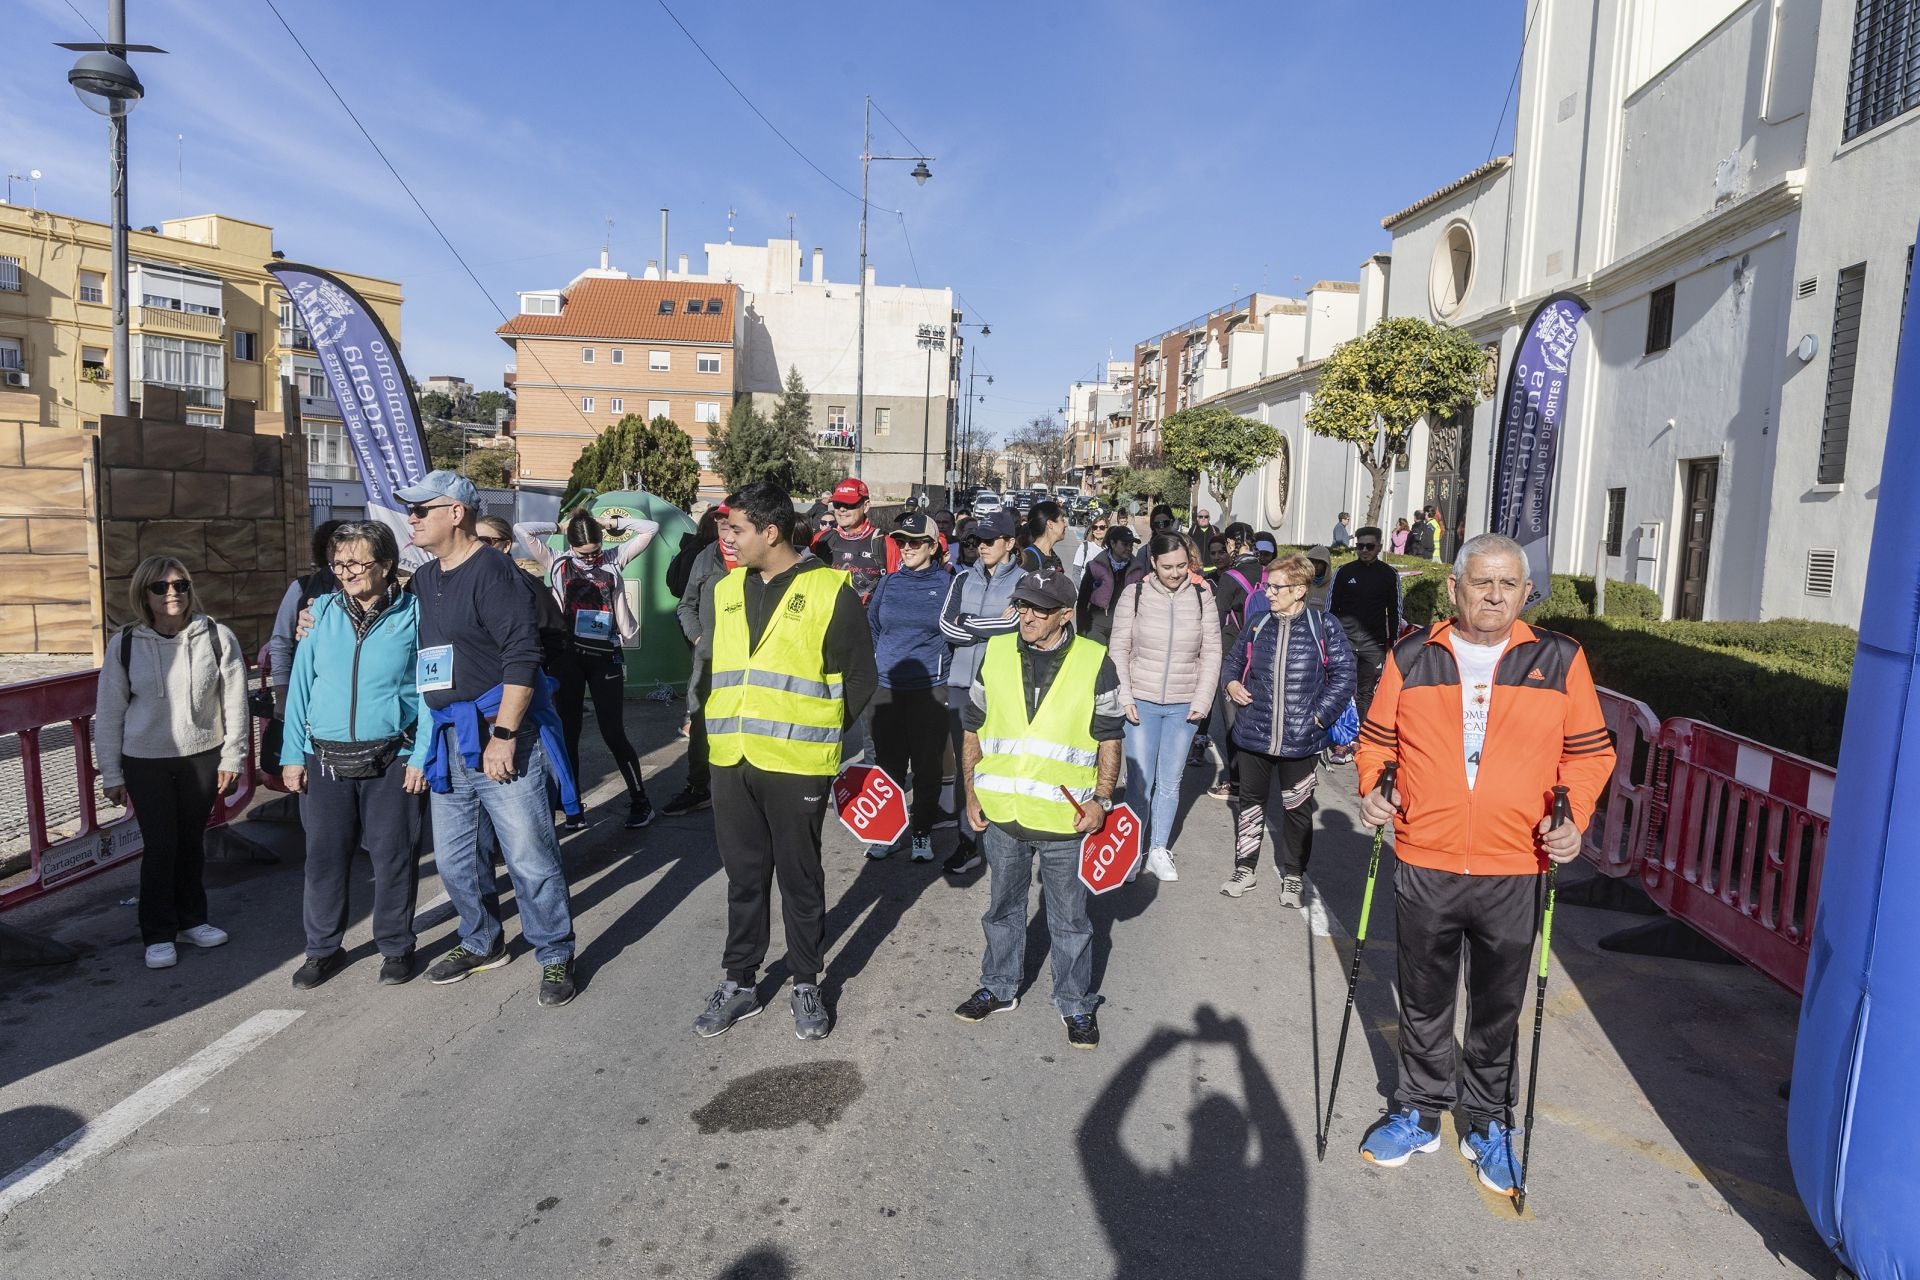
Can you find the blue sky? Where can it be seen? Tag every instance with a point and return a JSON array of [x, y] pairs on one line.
[[1103, 171]]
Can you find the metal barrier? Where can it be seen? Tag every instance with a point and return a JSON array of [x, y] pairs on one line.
[[66, 841], [1739, 851], [1616, 839]]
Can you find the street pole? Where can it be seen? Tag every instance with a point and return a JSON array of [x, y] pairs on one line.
[[860, 361], [117, 134], [926, 418]]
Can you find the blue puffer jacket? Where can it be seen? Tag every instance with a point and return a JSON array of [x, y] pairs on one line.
[[345, 689], [1319, 682], [904, 613]]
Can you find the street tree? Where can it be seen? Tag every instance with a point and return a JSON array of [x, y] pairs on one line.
[[655, 456], [491, 466], [1044, 449], [1148, 484], [751, 447], [1375, 388], [1218, 446]]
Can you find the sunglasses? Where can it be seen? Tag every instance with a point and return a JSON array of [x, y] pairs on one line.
[[177, 586], [492, 539], [848, 506], [419, 511], [1366, 546]]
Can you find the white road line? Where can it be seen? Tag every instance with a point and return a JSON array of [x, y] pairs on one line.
[[120, 1122]]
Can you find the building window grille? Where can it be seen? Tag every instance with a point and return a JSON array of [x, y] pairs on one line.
[[1838, 418], [1660, 319], [1883, 74]]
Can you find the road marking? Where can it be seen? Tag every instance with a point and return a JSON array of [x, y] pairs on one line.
[[120, 1122]]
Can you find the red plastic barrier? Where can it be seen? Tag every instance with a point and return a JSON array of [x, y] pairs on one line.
[[1616, 839], [1739, 853], [26, 710]]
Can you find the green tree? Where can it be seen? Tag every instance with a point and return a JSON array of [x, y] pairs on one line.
[[486, 405], [436, 406], [491, 466], [1375, 388], [1124, 484], [1218, 445], [655, 456], [751, 446]]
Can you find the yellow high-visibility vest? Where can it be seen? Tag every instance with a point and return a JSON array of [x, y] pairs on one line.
[[775, 705], [1024, 762]]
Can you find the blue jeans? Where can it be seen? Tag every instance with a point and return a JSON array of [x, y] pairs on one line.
[[1156, 762], [523, 823], [1010, 866]]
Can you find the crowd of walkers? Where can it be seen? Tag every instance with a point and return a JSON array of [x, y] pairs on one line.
[[1010, 691]]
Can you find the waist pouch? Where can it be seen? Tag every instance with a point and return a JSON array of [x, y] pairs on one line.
[[356, 760]]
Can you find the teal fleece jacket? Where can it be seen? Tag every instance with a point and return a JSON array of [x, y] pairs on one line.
[[332, 696]]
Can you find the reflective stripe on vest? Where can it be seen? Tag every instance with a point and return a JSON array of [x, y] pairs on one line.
[[774, 705], [1024, 763]]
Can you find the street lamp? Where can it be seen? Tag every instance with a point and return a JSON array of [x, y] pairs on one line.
[[920, 175], [105, 82]]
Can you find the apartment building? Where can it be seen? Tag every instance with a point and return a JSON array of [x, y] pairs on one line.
[[1167, 368], [607, 345], [1100, 421], [204, 315]]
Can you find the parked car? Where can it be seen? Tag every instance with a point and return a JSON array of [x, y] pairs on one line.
[[986, 503]]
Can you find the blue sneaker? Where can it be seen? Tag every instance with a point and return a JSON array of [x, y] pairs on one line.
[[1492, 1154], [1398, 1139]]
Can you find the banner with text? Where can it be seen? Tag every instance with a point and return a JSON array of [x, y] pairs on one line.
[[1531, 414], [369, 384]]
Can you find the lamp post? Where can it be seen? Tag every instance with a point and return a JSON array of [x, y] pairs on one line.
[[966, 447], [106, 84], [953, 417], [920, 175]]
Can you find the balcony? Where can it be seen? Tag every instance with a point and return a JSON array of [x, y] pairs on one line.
[[332, 471], [834, 438], [296, 337], [185, 324]]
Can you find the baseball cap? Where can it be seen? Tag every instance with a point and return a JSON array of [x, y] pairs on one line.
[[989, 527], [850, 490], [1048, 588], [914, 524], [1265, 542], [1120, 533], [441, 484]]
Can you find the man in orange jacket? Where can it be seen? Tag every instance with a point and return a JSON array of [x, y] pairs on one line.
[[1485, 716]]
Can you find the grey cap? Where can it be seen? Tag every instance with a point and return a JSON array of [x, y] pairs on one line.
[[442, 484], [1048, 588]]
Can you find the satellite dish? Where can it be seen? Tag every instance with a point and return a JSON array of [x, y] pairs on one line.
[[34, 174]]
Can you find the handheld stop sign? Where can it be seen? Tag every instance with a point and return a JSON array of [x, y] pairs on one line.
[[870, 804], [1109, 854]]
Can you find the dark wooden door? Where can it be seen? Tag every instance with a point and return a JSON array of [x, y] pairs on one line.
[[1696, 538], [1449, 448]]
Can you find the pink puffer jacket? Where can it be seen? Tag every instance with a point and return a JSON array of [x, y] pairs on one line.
[[1165, 645]]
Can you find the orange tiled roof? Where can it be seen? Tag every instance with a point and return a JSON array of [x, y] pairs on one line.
[[630, 309]]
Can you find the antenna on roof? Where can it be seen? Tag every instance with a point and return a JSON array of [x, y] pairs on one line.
[[606, 245], [730, 214]]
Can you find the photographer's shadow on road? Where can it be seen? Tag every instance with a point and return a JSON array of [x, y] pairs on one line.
[[1167, 1223]]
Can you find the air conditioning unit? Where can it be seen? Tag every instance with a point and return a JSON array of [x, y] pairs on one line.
[[17, 378]]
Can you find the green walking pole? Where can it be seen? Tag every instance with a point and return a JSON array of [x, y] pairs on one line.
[[1385, 787], [1562, 812]]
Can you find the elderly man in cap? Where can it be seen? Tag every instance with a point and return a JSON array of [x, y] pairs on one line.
[[1041, 757]]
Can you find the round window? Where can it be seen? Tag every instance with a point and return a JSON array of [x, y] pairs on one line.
[[1450, 278]]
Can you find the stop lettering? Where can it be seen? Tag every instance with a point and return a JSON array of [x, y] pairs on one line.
[[870, 804], [1107, 855]]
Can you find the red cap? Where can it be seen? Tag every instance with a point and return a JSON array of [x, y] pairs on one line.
[[850, 490]]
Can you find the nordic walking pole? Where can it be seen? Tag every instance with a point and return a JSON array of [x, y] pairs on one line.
[[1562, 812], [1359, 945]]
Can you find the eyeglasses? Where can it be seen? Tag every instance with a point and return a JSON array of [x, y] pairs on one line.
[[419, 511], [1037, 610], [354, 567], [1275, 584], [178, 586]]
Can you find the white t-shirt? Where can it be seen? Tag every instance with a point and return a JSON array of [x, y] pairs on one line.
[[1477, 664]]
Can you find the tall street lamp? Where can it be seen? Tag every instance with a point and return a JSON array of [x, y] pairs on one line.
[[106, 83], [969, 456], [954, 479], [920, 175]]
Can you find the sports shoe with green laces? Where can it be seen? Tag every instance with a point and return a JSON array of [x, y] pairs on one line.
[[460, 962], [556, 984]]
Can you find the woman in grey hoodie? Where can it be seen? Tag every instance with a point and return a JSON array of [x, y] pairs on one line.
[[170, 733]]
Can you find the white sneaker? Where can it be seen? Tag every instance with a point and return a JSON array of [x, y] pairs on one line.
[[1160, 862], [922, 849], [161, 955], [205, 935]]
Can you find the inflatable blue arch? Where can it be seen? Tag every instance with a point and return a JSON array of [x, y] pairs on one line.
[[1853, 1127]]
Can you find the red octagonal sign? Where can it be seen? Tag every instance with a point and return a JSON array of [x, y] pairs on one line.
[[1107, 855], [870, 803]]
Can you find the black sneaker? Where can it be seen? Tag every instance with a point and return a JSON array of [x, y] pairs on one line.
[[981, 1003], [639, 812], [397, 971], [556, 984], [963, 859], [945, 819], [688, 801], [318, 969], [460, 962], [1082, 1031], [573, 822]]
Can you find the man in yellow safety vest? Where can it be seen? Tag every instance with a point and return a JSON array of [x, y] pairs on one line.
[[1043, 722], [792, 667]]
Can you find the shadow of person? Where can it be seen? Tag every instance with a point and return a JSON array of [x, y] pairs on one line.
[[766, 1262], [879, 898], [26, 1132], [1165, 1223]]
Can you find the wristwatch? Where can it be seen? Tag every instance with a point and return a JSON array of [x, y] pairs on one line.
[[500, 733], [1105, 803]]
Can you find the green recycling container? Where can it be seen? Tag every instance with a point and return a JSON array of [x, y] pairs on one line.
[[659, 655]]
